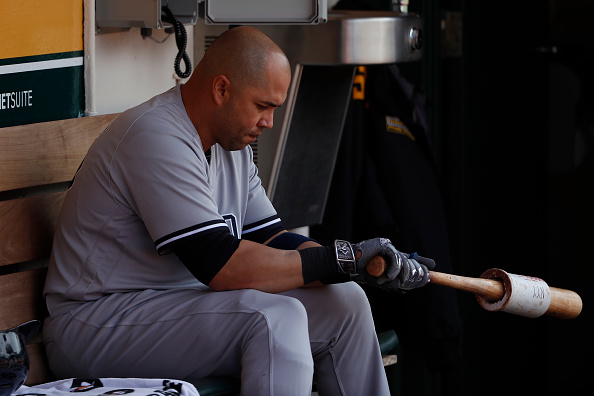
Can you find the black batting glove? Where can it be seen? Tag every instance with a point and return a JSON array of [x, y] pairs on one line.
[[403, 272], [352, 259], [414, 274]]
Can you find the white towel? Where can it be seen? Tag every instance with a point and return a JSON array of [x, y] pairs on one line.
[[112, 387]]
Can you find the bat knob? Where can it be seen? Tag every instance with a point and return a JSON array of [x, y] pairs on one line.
[[376, 266]]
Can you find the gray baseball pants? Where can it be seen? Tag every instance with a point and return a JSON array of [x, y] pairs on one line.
[[276, 342]]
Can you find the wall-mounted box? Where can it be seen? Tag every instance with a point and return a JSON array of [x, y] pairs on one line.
[[143, 13], [255, 12]]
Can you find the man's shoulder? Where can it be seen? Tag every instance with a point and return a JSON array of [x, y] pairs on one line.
[[163, 114], [159, 108]]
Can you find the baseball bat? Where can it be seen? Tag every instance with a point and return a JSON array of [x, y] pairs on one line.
[[565, 304]]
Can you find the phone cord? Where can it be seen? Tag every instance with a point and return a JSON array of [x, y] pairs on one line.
[[181, 39]]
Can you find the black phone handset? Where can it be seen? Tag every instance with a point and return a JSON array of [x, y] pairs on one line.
[[181, 39]]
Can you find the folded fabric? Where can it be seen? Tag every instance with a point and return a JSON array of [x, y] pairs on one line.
[[112, 386]]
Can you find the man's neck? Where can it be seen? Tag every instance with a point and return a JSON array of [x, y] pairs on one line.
[[193, 110]]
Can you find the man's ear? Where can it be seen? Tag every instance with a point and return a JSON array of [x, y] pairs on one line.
[[220, 89]]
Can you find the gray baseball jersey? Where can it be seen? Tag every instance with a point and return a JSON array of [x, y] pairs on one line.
[[145, 184], [121, 307]]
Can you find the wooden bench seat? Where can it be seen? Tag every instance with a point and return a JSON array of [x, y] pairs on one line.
[[37, 162]]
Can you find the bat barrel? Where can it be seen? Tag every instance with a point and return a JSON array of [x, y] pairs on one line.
[[565, 304]]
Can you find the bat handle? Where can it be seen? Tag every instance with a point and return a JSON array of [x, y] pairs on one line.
[[377, 265]]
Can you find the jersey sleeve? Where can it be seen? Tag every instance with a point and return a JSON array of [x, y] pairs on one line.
[[160, 172]]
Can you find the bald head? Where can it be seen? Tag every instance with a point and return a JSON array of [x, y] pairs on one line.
[[235, 88], [241, 54]]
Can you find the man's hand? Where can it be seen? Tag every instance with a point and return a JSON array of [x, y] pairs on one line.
[[412, 275], [402, 272]]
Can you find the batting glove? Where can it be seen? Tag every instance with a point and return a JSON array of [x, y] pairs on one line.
[[403, 272]]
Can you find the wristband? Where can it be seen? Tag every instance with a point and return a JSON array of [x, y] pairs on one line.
[[319, 264]]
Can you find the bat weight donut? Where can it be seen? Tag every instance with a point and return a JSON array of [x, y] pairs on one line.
[[523, 295]]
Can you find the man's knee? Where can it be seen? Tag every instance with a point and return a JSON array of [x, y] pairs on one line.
[[275, 317], [275, 310], [347, 299], [286, 320]]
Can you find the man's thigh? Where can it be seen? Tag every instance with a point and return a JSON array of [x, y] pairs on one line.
[[330, 307], [175, 333]]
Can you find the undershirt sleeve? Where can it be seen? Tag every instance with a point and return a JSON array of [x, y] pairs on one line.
[[205, 255]]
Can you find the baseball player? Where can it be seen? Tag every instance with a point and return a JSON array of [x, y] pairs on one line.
[[169, 261]]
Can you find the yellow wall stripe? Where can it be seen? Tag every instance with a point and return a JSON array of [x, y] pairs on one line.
[[38, 27]]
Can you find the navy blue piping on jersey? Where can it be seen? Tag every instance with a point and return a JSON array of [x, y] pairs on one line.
[[262, 230], [163, 244]]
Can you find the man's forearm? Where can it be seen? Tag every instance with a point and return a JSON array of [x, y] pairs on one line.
[[256, 266]]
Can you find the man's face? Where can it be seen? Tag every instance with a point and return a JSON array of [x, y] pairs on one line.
[[250, 109]]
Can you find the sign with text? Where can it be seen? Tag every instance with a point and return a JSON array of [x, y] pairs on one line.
[[41, 61], [41, 88]]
